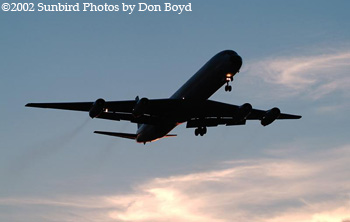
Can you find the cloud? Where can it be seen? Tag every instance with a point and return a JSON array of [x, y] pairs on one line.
[[314, 76], [333, 108], [330, 215], [309, 187], [261, 190]]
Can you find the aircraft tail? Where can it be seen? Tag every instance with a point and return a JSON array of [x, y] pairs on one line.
[[123, 135]]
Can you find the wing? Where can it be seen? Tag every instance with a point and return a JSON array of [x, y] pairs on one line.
[[257, 114], [229, 115], [158, 111], [161, 111], [123, 106]]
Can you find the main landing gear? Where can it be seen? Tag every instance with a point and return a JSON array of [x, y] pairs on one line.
[[229, 78], [200, 131]]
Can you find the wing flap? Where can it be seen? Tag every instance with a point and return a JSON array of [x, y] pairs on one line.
[[145, 119]]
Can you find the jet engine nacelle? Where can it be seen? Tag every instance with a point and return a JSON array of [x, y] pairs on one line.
[[270, 116], [97, 108], [140, 107], [243, 111]]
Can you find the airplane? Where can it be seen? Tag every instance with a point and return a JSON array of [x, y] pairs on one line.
[[155, 118]]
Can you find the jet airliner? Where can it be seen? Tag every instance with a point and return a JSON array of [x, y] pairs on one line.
[[155, 118]]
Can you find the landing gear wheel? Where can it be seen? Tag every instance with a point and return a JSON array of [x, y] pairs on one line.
[[203, 131], [196, 132], [228, 88], [200, 131]]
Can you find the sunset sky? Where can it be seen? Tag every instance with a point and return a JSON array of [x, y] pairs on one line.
[[296, 56]]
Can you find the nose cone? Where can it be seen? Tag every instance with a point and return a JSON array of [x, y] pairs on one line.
[[229, 52], [234, 58], [237, 61]]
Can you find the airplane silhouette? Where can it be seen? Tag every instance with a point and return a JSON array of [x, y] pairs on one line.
[[155, 118]]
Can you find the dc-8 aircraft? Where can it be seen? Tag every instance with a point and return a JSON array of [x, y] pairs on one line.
[[155, 118]]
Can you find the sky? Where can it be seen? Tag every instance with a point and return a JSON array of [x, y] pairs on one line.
[[296, 56]]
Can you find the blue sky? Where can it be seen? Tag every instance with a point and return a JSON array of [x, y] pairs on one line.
[[296, 56]]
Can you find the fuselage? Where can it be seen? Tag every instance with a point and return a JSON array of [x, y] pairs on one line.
[[204, 83]]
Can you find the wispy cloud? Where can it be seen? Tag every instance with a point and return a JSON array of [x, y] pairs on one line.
[[313, 187], [314, 76]]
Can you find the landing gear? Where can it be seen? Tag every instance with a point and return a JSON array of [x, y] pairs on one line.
[[200, 131], [229, 78]]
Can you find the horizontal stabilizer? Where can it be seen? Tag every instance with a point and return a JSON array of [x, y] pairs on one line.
[[123, 135], [170, 135]]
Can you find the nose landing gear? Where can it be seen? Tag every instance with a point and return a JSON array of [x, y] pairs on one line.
[[228, 88], [200, 131], [229, 78]]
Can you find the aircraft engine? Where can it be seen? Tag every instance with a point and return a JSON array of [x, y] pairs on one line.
[[140, 107], [270, 116], [97, 108], [243, 111]]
